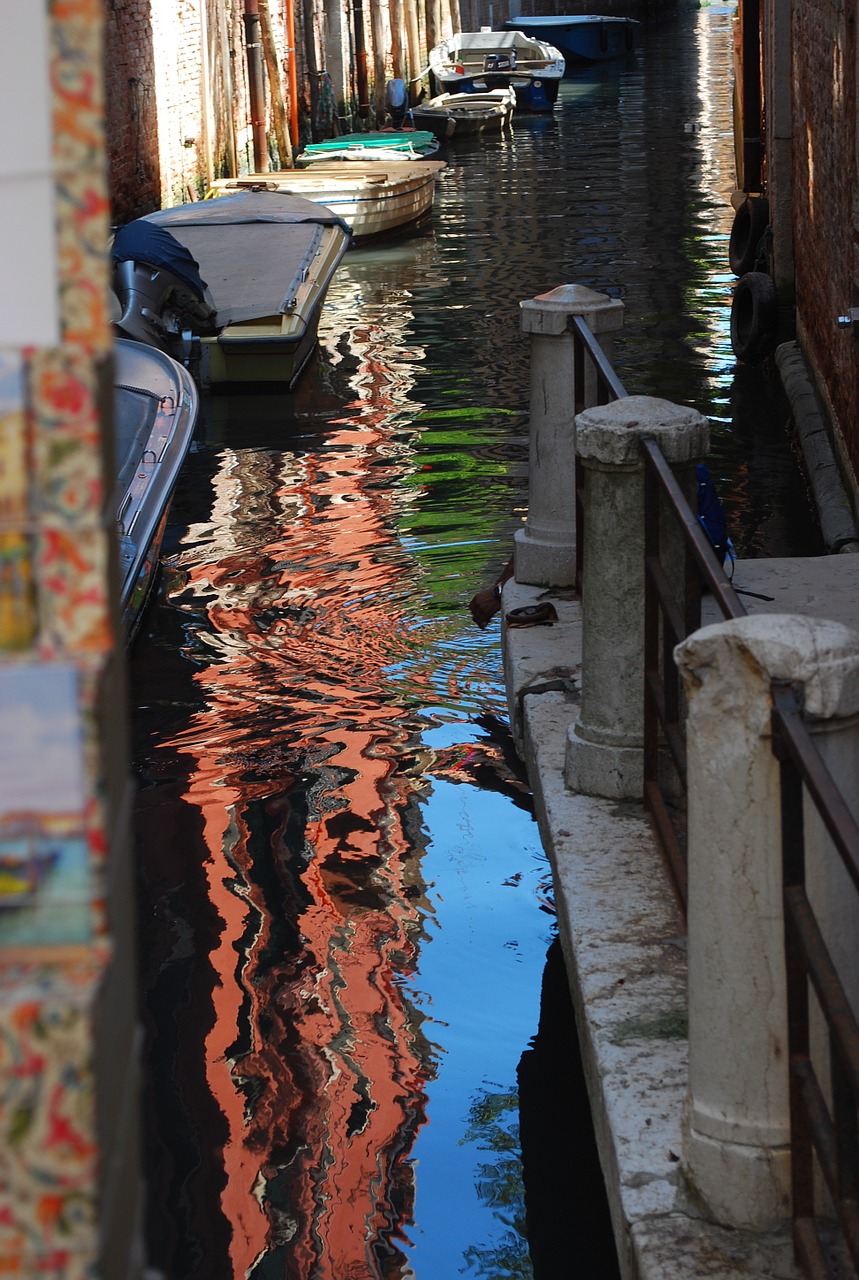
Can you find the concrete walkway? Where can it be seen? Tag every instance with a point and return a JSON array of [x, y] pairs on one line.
[[623, 936]]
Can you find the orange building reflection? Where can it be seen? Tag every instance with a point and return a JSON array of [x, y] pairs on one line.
[[314, 1056]]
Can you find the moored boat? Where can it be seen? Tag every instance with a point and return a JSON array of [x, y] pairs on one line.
[[155, 413], [383, 145], [582, 38], [474, 61], [435, 120], [463, 114], [374, 199], [268, 258]]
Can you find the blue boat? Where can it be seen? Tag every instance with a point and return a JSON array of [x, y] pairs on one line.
[[582, 38]]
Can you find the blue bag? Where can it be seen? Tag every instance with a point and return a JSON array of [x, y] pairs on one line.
[[712, 516]]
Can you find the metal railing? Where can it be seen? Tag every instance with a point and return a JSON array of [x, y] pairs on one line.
[[827, 1129], [824, 1121], [590, 366], [670, 617], [666, 622]]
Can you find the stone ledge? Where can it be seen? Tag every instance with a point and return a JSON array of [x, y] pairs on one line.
[[540, 658], [624, 949]]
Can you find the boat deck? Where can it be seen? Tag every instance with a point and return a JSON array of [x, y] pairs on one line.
[[254, 248]]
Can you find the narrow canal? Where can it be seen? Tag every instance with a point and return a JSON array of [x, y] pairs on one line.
[[346, 915]]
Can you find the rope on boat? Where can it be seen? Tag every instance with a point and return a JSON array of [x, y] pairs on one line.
[[141, 391]]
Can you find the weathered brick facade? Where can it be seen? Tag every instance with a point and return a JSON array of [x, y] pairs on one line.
[[132, 118], [177, 84], [825, 204]]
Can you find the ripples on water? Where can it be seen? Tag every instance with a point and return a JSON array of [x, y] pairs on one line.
[[345, 907]]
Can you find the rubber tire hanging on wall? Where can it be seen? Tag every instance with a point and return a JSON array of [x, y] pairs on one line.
[[750, 222], [754, 317]]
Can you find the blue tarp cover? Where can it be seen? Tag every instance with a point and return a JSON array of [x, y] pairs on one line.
[[144, 241]]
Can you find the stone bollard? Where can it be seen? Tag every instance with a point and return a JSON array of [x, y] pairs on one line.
[[604, 747], [545, 547], [736, 1147]]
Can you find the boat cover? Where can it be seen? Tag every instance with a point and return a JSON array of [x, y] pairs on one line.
[[246, 206], [255, 248]]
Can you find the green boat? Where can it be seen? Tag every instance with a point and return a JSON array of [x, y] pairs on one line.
[[407, 144]]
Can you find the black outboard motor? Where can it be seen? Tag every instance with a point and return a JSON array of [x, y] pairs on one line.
[[500, 61], [163, 300], [396, 101]]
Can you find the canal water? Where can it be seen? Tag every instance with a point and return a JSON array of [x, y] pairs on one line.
[[359, 1055]]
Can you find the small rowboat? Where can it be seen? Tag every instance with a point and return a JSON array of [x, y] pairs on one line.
[[463, 114], [384, 145], [375, 199]]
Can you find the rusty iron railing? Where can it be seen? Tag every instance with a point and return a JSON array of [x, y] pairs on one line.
[[588, 355], [666, 623], [828, 1130]]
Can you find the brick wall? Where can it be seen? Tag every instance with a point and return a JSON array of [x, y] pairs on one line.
[[824, 173], [177, 42], [155, 103], [132, 122]]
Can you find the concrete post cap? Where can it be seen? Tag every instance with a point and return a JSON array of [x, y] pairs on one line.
[[548, 312], [822, 656], [610, 433]]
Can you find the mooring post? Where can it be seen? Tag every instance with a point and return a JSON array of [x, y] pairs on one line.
[[605, 746], [736, 1147], [545, 547]]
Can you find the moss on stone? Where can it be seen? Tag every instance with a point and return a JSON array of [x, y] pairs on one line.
[[671, 1025]]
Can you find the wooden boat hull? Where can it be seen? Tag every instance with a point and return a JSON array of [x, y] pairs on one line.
[[582, 38], [472, 113], [474, 62], [374, 199], [155, 413], [434, 120]]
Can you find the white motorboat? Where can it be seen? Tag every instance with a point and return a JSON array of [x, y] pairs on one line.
[[474, 61]]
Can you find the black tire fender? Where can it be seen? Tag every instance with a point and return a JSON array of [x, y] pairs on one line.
[[754, 317], [750, 222]]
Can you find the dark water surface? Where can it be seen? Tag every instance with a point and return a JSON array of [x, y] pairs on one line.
[[346, 911]]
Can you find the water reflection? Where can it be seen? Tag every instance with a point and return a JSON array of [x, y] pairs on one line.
[[345, 908], [327, 704], [315, 1061]]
